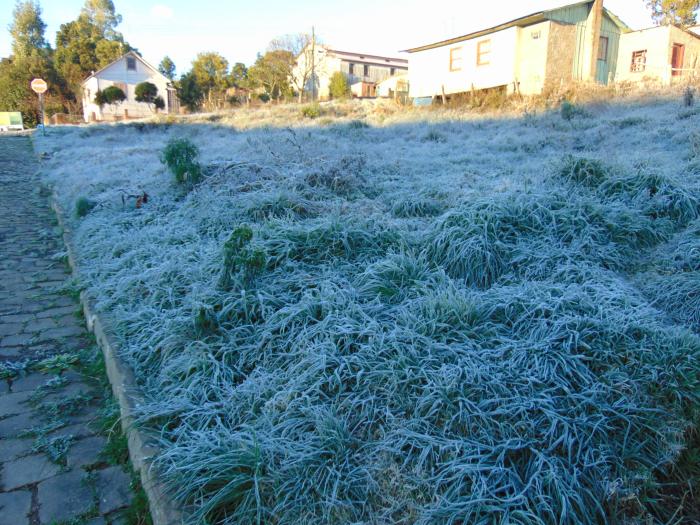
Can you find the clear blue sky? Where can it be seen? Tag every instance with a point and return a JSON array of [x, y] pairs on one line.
[[240, 29]]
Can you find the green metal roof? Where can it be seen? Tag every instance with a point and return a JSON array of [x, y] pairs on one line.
[[534, 18]]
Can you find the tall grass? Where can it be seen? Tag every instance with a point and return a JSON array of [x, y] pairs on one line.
[[367, 327]]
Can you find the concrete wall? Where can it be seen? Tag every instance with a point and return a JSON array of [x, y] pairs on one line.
[[533, 42], [429, 70], [117, 73], [658, 43]]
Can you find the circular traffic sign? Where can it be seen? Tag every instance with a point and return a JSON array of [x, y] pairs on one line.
[[39, 86]]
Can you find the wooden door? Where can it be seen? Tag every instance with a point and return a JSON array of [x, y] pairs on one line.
[[677, 59]]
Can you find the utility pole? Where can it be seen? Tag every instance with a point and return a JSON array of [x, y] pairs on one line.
[[313, 64]]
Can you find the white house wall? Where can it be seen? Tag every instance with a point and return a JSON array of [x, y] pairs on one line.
[[429, 70], [658, 44], [115, 74], [532, 57]]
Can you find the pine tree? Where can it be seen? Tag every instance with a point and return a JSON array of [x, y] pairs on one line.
[[167, 68], [27, 29]]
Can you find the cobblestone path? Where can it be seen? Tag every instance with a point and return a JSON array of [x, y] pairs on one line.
[[61, 461]]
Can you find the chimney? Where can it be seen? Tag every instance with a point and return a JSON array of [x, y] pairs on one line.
[[593, 26]]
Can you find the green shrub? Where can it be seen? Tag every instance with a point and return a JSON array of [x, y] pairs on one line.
[[159, 103], [241, 261], [339, 87], [569, 110], [358, 124], [689, 97], [311, 111], [146, 92], [180, 155], [109, 95], [83, 206]]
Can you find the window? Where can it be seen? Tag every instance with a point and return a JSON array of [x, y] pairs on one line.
[[130, 64], [455, 59], [351, 69], [639, 61], [392, 71], [366, 70], [603, 48], [483, 50]]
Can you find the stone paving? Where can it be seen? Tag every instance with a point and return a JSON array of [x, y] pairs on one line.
[[52, 464]]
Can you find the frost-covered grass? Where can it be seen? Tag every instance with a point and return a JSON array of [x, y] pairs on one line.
[[434, 318]]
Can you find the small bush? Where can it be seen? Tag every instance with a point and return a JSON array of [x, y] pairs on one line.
[[240, 260], [569, 110], [83, 206], [159, 103], [180, 155], [689, 97], [146, 92], [358, 124], [110, 95], [434, 136], [339, 87], [311, 111]]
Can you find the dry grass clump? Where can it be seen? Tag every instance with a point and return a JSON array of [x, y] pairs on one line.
[[360, 326]]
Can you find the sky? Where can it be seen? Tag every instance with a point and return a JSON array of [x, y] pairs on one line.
[[239, 29]]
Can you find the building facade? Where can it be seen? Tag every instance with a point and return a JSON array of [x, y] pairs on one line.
[[663, 54], [527, 55], [126, 73], [364, 69]]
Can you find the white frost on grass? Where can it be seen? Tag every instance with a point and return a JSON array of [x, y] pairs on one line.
[[458, 321]]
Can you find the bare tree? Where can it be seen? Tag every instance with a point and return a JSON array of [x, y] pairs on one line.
[[301, 49]]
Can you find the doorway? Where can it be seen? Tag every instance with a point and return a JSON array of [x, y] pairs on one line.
[[677, 60]]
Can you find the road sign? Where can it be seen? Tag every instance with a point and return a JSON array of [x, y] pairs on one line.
[[39, 86]]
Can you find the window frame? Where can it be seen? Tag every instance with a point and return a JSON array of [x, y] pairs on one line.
[[365, 70], [639, 66], [351, 69], [481, 54], [455, 59], [604, 57], [129, 61]]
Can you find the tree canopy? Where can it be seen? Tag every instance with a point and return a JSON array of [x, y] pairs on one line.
[[27, 29], [272, 72], [167, 68], [683, 13]]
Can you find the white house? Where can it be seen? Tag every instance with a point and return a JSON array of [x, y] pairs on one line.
[[393, 87], [126, 73], [359, 68], [663, 54]]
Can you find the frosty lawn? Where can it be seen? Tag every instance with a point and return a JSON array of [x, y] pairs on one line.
[[434, 319]]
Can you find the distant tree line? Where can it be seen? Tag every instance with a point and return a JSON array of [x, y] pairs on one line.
[[211, 84]]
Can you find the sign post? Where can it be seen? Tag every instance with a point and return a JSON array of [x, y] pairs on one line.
[[39, 86]]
